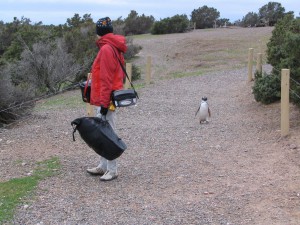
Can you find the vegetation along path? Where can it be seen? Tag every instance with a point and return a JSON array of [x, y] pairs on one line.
[[234, 170]]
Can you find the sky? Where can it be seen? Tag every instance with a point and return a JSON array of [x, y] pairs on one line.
[[58, 11]]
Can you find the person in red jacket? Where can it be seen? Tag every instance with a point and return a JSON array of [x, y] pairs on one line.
[[107, 76]]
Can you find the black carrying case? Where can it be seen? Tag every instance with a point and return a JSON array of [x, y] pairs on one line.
[[123, 98], [99, 135]]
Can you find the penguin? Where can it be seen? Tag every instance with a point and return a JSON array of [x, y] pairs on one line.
[[204, 110]]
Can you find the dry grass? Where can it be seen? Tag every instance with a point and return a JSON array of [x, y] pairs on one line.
[[201, 51]]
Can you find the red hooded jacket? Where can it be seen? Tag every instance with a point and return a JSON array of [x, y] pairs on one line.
[[107, 74]]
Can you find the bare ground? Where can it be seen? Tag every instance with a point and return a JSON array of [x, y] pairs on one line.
[[234, 170]]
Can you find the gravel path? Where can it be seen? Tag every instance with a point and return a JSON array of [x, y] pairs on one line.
[[233, 170]]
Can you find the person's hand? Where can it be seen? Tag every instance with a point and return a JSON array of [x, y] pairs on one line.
[[103, 110]]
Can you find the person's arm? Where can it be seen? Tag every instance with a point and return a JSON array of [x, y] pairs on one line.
[[107, 69]]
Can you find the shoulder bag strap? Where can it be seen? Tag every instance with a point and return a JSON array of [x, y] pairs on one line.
[[124, 70]]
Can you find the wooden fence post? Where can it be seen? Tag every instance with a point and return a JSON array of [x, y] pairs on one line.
[[148, 70], [250, 64], [259, 63], [89, 107], [285, 104], [129, 73]]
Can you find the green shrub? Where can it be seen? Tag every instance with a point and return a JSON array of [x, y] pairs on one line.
[[295, 96], [266, 88], [258, 74], [135, 24], [136, 73], [175, 24], [284, 52], [132, 49]]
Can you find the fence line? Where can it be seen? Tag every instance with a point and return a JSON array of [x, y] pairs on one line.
[[286, 77], [72, 86], [285, 103], [285, 89], [259, 63], [16, 121], [292, 79], [295, 81], [22, 104], [294, 93]]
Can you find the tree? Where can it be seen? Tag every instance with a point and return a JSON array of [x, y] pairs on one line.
[[222, 22], [76, 21], [204, 17], [12, 35], [79, 40], [135, 24], [271, 13], [175, 24], [119, 25], [13, 99], [250, 20]]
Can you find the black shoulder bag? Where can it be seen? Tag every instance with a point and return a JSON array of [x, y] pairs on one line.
[[100, 136]]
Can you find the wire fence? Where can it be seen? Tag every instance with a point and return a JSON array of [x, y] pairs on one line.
[[289, 85], [293, 91], [296, 95], [30, 102], [289, 88]]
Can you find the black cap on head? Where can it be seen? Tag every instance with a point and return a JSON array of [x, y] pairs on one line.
[[204, 98], [104, 26]]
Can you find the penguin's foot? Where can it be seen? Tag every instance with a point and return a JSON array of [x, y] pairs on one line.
[[204, 121]]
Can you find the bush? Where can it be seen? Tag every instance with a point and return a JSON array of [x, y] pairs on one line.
[[11, 97], [175, 24], [284, 51], [132, 49], [205, 17], [295, 97], [136, 73], [46, 67], [135, 24], [251, 19], [131, 52], [266, 88]]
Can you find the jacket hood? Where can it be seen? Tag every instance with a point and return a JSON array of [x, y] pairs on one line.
[[118, 41]]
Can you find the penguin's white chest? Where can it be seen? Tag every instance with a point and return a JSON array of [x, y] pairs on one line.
[[203, 112]]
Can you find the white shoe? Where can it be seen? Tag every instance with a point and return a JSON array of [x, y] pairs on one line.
[[96, 171], [108, 176]]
